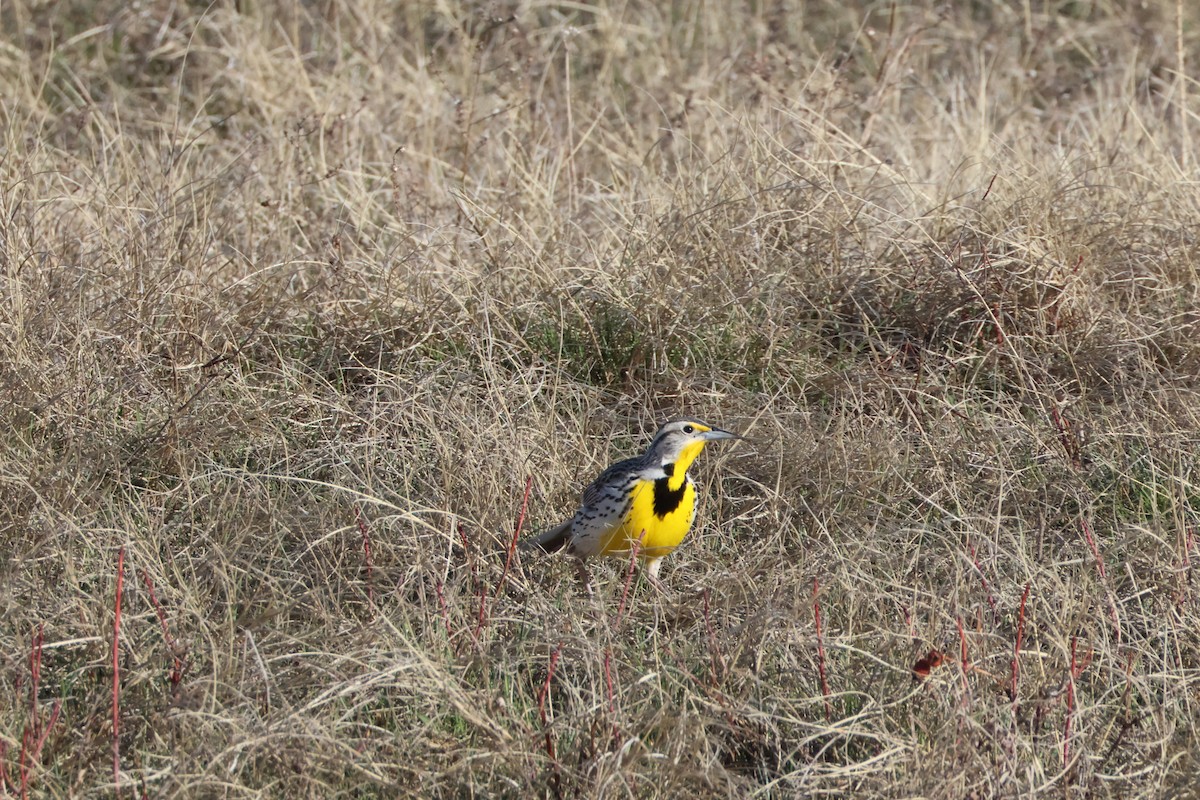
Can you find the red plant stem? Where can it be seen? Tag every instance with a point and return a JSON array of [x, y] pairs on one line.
[[821, 652], [545, 690], [41, 742], [116, 674], [966, 665], [35, 676], [988, 191], [608, 680], [512, 545], [1062, 425], [366, 540], [466, 543], [1017, 647], [633, 554], [1091, 540], [1070, 707], [158, 609], [1112, 602], [177, 663], [24, 763]]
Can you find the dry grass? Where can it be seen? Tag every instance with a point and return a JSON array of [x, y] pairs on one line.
[[266, 269]]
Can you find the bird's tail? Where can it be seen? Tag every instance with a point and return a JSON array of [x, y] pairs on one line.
[[551, 541]]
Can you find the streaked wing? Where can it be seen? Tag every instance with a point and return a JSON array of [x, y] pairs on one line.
[[596, 492]]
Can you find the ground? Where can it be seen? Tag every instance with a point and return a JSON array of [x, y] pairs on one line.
[[306, 309]]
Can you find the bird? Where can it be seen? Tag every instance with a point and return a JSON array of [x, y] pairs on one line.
[[647, 503]]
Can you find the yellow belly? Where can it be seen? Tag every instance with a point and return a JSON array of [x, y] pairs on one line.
[[662, 534]]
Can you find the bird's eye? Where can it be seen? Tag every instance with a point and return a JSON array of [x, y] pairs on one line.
[[688, 429]]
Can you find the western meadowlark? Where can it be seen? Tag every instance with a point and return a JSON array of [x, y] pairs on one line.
[[648, 501]]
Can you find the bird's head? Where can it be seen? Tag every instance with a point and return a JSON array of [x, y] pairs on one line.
[[679, 442]]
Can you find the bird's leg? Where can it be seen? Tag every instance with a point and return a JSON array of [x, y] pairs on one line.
[[585, 578], [651, 568]]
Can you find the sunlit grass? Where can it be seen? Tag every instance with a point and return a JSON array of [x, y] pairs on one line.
[[270, 271]]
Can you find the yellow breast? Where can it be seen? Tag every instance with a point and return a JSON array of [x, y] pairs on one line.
[[665, 518]]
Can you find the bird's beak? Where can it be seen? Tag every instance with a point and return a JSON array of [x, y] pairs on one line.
[[717, 434]]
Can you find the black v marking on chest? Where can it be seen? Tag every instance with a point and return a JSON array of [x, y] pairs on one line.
[[667, 499]]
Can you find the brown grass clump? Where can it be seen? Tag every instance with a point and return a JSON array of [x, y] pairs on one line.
[[296, 298]]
